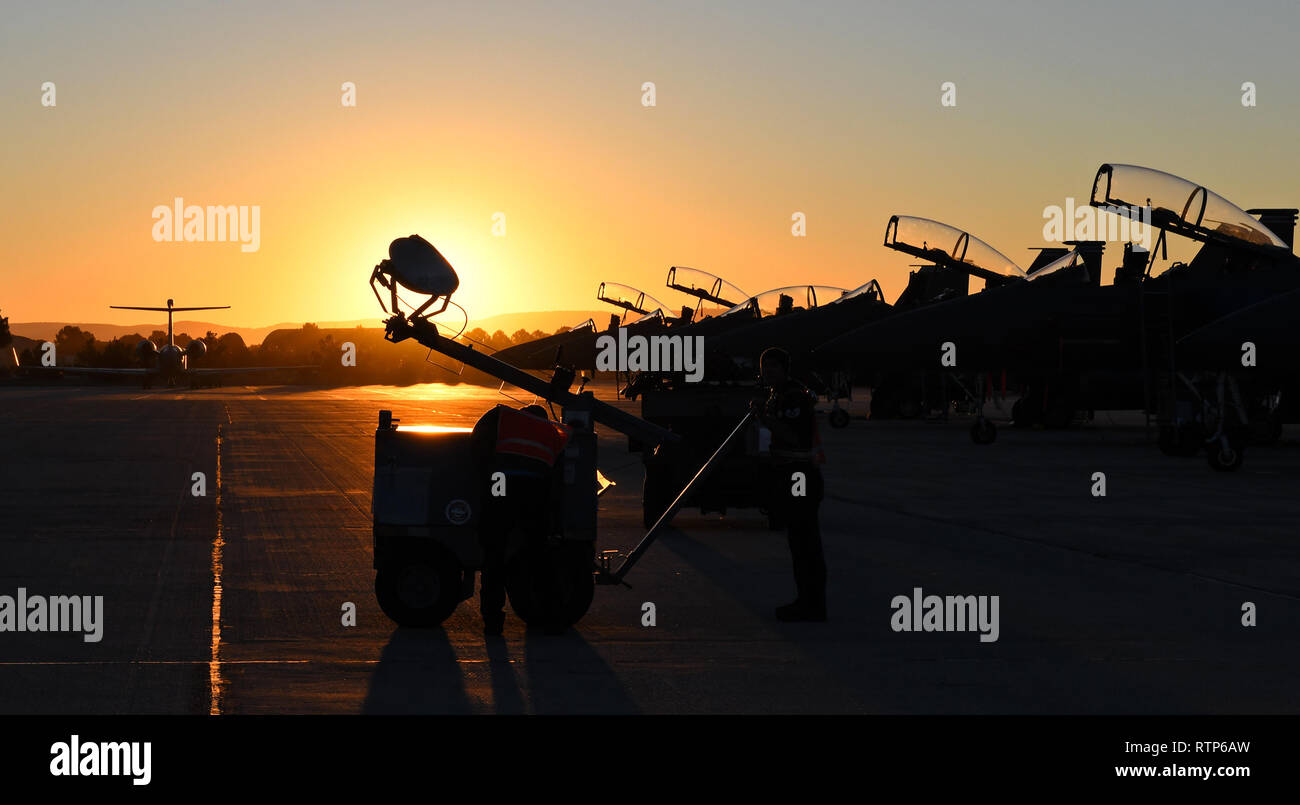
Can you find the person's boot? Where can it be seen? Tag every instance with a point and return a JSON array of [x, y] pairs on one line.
[[798, 611]]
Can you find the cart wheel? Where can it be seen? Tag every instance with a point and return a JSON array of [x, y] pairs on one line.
[[421, 591], [839, 418], [983, 432], [1226, 455], [551, 586]]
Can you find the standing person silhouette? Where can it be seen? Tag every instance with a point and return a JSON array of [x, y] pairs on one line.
[[795, 484]]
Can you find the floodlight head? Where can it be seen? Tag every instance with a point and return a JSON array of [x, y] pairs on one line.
[[414, 264], [417, 266]]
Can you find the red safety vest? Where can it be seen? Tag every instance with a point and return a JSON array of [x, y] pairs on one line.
[[525, 435]]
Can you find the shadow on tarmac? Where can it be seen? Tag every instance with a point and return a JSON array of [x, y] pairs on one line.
[[420, 672]]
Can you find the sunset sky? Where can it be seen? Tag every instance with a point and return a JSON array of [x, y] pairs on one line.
[[534, 110]]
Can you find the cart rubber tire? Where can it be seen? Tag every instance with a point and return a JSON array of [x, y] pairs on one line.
[[551, 586], [838, 418], [983, 432], [422, 591]]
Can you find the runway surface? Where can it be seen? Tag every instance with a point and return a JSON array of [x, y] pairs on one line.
[[233, 602]]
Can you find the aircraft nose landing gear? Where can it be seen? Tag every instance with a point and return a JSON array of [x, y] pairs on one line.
[[983, 431], [1226, 453]]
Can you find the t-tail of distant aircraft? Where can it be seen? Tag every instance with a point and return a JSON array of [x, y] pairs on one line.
[[169, 362], [169, 310]]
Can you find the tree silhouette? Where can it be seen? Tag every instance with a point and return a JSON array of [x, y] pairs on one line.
[[72, 340]]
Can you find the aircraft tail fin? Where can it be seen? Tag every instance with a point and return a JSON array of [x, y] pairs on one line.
[[169, 310]]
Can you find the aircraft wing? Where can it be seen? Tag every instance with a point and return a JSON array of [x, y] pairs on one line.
[[1269, 325], [85, 370], [247, 370]]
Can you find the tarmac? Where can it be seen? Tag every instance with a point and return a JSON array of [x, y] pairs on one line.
[[233, 602]]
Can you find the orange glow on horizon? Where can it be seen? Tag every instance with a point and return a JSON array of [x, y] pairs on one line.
[[537, 113]]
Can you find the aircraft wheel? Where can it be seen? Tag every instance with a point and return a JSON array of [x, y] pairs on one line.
[[421, 591], [1270, 430], [983, 432], [1017, 414], [883, 405], [551, 586], [1168, 439], [1026, 411], [839, 418], [1059, 414], [1226, 455]]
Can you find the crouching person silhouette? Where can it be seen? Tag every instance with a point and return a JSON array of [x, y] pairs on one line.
[[517, 451]]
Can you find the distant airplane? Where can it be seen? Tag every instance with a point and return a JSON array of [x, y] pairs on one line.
[[170, 362]]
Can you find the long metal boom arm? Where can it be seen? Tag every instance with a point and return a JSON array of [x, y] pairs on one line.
[[399, 328], [706, 470]]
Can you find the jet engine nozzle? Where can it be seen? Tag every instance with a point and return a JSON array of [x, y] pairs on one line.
[[146, 351]]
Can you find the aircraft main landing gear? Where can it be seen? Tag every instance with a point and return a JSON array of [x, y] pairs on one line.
[[983, 431]]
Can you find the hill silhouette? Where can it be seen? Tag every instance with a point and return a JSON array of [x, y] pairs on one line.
[[545, 320]]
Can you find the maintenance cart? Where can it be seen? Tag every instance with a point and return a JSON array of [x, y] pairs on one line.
[[427, 505]]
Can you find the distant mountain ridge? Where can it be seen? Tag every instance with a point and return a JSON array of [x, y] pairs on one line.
[[546, 320]]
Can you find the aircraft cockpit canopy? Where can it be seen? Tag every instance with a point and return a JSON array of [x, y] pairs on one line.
[[638, 304], [871, 288], [790, 299], [949, 246], [715, 294], [1070, 259], [1178, 205]]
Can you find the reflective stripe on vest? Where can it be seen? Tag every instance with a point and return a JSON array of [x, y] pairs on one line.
[[525, 435]]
